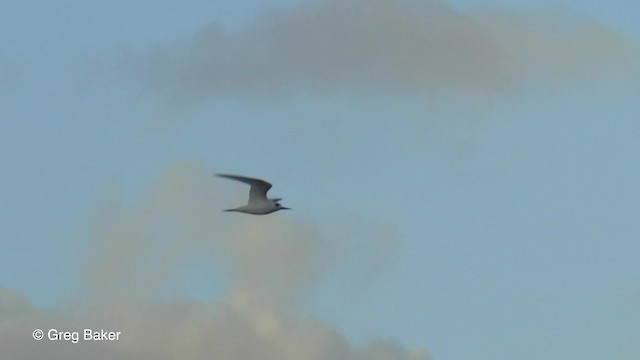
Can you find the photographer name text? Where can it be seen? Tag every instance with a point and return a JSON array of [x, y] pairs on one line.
[[77, 336]]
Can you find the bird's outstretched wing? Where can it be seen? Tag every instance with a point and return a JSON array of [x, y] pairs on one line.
[[259, 188]]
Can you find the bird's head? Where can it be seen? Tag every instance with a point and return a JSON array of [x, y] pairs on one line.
[[276, 203]]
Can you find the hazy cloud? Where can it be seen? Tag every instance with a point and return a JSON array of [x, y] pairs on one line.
[[189, 331], [384, 47], [13, 302], [137, 248]]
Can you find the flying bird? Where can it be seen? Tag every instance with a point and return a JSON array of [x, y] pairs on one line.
[[258, 204]]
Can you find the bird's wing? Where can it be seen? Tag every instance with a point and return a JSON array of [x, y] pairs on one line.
[[259, 188]]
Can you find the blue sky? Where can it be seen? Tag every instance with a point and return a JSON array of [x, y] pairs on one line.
[[510, 195]]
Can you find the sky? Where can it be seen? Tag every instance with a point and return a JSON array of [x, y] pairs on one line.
[[462, 177]]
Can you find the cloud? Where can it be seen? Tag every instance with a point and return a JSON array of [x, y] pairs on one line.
[[13, 302], [136, 250], [175, 220], [381, 47], [189, 331]]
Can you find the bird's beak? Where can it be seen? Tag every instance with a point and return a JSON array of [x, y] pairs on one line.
[[284, 208]]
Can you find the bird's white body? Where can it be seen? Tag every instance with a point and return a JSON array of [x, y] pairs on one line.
[[261, 208], [258, 203]]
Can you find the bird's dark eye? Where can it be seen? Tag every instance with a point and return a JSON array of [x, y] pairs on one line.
[[277, 204]]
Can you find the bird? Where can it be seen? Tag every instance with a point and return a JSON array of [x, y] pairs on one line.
[[258, 203]]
